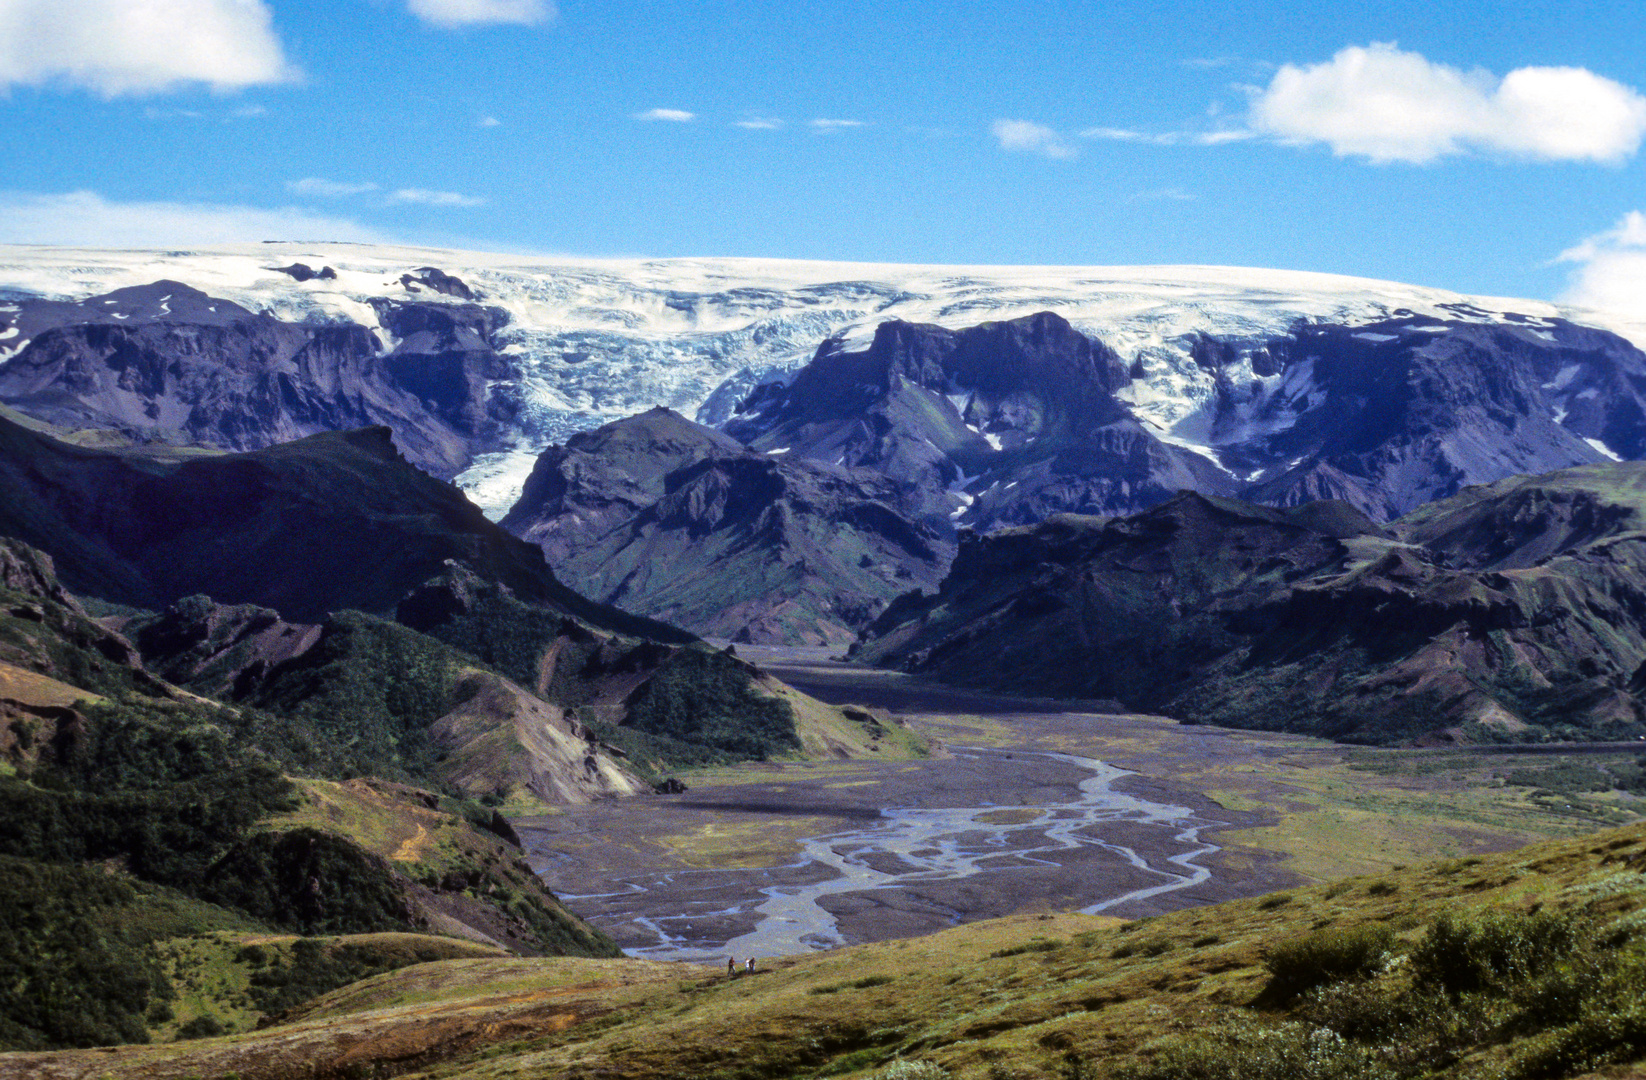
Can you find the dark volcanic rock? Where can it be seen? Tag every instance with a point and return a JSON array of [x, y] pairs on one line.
[[1008, 423], [606, 477], [165, 362], [305, 272], [333, 521], [437, 280], [1514, 611], [1391, 416], [670, 519], [1001, 423]]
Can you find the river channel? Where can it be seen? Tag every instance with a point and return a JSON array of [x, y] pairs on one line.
[[800, 856]]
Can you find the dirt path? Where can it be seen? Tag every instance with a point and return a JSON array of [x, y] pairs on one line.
[[412, 849]]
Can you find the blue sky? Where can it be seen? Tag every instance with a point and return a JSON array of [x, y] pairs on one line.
[[1462, 145]]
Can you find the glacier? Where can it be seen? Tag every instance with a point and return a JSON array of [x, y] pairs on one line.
[[595, 340]]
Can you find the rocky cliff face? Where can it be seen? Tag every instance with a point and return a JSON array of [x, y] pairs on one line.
[[1516, 611], [999, 423], [1009, 423], [166, 362], [670, 519]]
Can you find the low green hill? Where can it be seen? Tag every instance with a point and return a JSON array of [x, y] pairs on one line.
[[1525, 965]]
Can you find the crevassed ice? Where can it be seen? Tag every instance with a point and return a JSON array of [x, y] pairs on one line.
[[596, 340]]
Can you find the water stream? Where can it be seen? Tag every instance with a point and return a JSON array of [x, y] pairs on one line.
[[907, 847]]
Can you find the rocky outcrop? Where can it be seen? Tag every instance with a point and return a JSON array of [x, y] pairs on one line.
[[670, 519], [501, 738], [436, 280], [165, 362], [304, 272]]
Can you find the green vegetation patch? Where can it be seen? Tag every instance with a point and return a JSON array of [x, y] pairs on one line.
[[370, 688], [77, 962], [1544, 994], [709, 699]]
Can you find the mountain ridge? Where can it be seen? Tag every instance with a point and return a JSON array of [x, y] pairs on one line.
[[590, 341], [1313, 619]]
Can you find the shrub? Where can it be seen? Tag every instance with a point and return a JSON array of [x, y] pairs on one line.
[[1327, 956], [1593, 1042], [1252, 1052], [1596, 1001], [865, 983], [913, 1070], [204, 1026], [1485, 950], [72, 970], [1042, 945]]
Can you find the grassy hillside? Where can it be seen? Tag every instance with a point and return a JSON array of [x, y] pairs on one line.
[[135, 817], [1527, 964]]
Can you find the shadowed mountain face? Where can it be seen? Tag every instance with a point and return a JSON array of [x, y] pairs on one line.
[[854, 474], [670, 519], [1515, 611], [167, 362], [1002, 423], [1009, 423], [332, 521]]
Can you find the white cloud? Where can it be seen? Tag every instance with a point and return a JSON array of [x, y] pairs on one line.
[[338, 189], [1387, 105], [329, 189], [835, 125], [1125, 135], [117, 47], [488, 122], [760, 123], [86, 219], [1611, 269], [425, 197], [673, 116], [1167, 138], [1031, 138], [1171, 194], [243, 112], [454, 13]]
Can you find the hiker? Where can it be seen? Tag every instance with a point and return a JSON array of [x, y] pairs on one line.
[[748, 965], [731, 966]]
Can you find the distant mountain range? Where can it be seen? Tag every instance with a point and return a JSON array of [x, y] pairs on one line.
[[541, 348], [855, 428], [850, 419]]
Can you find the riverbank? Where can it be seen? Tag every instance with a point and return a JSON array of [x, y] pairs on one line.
[[1037, 806]]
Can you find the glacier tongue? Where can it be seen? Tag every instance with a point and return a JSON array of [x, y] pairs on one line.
[[599, 339]]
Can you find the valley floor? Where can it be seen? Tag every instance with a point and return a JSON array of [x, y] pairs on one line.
[[1019, 814]]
